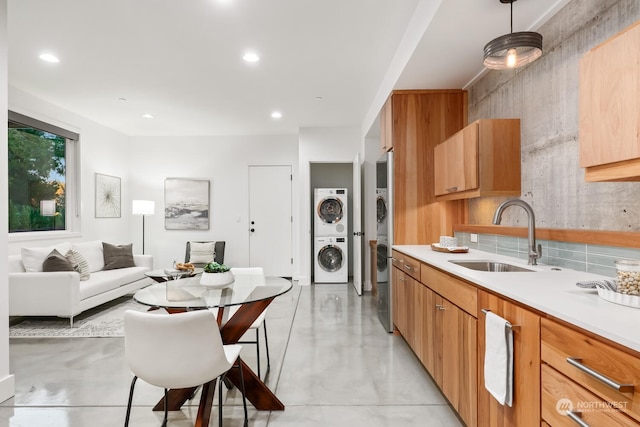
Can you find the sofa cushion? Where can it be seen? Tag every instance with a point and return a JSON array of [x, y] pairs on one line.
[[55, 261], [32, 258], [106, 280], [92, 251], [117, 256], [79, 263], [202, 252]]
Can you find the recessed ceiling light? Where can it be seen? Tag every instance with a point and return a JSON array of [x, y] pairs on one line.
[[122, 99], [147, 116], [251, 57], [49, 58], [319, 98], [276, 115]]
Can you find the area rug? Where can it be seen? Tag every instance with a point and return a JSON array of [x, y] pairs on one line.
[[100, 322]]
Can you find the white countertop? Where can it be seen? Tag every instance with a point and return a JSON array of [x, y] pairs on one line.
[[546, 290]]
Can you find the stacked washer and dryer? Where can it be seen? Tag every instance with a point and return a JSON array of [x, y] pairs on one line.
[[331, 248]]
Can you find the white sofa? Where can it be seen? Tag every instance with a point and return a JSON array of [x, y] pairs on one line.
[[62, 293]]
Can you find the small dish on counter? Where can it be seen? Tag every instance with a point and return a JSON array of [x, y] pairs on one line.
[[453, 249], [618, 298]]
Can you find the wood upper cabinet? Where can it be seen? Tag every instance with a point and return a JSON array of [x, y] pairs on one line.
[[525, 410], [421, 120], [609, 104], [483, 159], [386, 127]]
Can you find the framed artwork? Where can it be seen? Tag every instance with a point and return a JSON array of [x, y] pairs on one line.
[[186, 204], [107, 196]]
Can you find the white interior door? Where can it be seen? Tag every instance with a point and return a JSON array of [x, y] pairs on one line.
[[357, 225], [270, 219]]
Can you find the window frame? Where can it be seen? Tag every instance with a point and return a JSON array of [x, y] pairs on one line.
[[72, 180]]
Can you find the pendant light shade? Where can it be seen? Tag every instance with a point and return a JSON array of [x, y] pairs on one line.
[[512, 50]]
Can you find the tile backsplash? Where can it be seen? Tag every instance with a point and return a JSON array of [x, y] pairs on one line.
[[597, 259]]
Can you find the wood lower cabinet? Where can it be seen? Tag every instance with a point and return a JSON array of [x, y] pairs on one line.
[[459, 363], [577, 361], [564, 402], [449, 340], [525, 410]]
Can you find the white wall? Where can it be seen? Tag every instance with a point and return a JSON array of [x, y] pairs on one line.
[[333, 145], [102, 150], [7, 381], [224, 161]]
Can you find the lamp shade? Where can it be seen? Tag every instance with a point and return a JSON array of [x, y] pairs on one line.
[[143, 207], [512, 50], [47, 207]]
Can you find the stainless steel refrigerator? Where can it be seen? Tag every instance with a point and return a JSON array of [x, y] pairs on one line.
[[384, 236]]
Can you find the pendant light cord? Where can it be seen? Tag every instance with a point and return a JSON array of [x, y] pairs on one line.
[[512, 16]]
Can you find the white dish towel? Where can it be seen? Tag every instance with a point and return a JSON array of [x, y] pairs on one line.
[[498, 358]]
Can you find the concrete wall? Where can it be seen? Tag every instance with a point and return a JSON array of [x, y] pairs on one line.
[[544, 95]]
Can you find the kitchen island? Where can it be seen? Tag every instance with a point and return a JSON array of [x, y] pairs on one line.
[[439, 311]]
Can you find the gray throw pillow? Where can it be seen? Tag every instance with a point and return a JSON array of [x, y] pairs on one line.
[[117, 256], [55, 261]]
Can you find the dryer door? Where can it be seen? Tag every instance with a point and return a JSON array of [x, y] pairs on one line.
[[330, 258], [330, 210]]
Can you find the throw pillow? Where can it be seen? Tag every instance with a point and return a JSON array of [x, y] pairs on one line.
[[33, 258], [202, 252], [79, 263], [55, 261], [117, 256], [92, 252]]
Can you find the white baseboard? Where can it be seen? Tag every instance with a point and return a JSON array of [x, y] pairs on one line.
[[304, 281], [7, 387]]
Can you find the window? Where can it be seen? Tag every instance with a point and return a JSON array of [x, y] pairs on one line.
[[41, 176]]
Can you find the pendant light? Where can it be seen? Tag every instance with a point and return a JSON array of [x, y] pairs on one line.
[[512, 50]]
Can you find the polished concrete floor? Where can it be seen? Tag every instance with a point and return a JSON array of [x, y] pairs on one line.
[[332, 364]]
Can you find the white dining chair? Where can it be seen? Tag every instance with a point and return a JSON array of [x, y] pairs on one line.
[[178, 351], [260, 321]]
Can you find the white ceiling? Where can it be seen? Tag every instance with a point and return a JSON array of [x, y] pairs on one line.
[[181, 60]]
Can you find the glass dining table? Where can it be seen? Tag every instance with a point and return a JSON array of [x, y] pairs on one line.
[[250, 295]]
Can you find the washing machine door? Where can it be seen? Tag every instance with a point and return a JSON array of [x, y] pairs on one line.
[[330, 258], [330, 210], [382, 258], [381, 209]]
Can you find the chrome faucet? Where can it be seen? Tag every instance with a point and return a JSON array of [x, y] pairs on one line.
[[534, 252]]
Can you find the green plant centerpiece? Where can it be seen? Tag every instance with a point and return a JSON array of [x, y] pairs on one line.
[[216, 275], [214, 267]]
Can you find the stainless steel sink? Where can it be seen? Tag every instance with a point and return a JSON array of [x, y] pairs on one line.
[[494, 266]]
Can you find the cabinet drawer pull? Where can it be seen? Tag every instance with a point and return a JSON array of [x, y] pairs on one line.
[[402, 279], [394, 259], [440, 307], [576, 417], [451, 189], [408, 267], [622, 388]]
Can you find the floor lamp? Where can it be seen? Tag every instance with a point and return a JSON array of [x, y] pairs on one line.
[[143, 207]]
